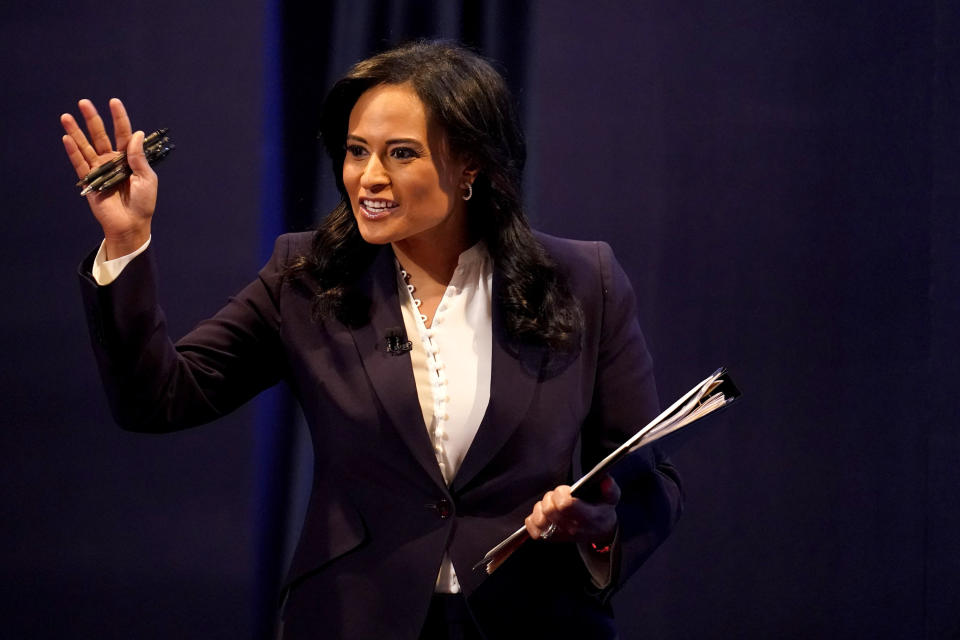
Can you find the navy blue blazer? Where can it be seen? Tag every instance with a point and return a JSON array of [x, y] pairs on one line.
[[380, 515]]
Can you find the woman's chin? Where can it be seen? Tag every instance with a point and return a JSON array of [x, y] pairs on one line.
[[374, 235]]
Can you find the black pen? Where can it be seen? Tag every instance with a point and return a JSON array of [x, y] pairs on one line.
[[106, 167], [154, 153], [156, 146], [102, 179], [114, 180], [120, 158]]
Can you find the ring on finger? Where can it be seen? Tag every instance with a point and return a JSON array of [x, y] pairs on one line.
[[549, 531]]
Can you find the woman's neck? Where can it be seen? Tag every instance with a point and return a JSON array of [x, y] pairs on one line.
[[431, 262], [430, 267]]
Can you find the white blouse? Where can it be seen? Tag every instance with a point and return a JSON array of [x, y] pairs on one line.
[[451, 365]]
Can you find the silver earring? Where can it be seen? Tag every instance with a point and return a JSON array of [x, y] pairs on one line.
[[469, 193]]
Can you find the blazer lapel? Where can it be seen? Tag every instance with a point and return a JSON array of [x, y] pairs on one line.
[[392, 376], [515, 369]]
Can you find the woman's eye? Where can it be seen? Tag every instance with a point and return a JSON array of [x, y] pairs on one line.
[[355, 150], [404, 153]]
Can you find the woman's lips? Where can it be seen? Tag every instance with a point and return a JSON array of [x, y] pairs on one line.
[[376, 208]]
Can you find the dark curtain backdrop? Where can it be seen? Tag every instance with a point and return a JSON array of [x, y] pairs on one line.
[[781, 180]]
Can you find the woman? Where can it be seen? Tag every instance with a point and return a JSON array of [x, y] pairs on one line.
[[449, 361]]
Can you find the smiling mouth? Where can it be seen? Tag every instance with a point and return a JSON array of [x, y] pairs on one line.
[[376, 208]]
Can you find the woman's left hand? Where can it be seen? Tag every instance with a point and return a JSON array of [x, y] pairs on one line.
[[575, 519]]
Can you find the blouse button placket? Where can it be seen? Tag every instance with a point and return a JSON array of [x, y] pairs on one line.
[[437, 372]]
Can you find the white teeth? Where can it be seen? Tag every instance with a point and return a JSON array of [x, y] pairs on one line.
[[377, 205]]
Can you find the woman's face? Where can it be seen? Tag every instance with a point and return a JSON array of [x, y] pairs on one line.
[[403, 185]]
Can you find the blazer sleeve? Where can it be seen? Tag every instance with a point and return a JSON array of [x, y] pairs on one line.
[[154, 385], [624, 399]]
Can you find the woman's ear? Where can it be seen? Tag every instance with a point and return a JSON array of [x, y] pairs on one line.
[[469, 174]]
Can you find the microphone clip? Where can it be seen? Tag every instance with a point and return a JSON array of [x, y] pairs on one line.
[[397, 344]]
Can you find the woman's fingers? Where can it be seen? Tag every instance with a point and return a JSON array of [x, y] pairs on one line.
[[86, 154], [98, 134], [561, 507], [544, 514], [121, 123], [79, 163], [80, 141], [549, 507], [136, 157], [536, 523], [575, 519], [143, 173]]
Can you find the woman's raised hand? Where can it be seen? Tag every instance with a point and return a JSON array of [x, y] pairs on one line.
[[124, 212]]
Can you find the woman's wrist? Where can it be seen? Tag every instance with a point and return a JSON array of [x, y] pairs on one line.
[[125, 244]]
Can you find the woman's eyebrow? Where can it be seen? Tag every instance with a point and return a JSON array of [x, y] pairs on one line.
[[357, 138]]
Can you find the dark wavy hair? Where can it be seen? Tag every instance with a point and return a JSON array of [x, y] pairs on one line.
[[470, 101]]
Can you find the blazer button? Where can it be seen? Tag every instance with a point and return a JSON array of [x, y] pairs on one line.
[[444, 508]]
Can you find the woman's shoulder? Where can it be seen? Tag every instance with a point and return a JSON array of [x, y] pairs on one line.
[[590, 266], [569, 252], [288, 248], [295, 243]]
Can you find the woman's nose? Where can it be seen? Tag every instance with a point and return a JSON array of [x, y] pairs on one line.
[[374, 174]]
